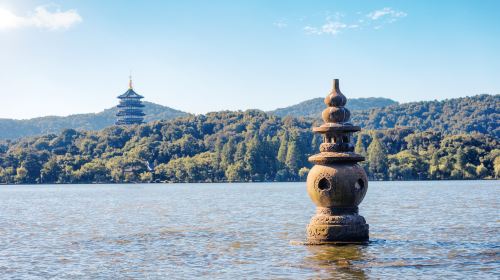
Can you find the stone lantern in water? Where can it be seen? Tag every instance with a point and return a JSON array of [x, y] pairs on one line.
[[336, 183]]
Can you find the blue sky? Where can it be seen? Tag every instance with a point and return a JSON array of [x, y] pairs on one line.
[[66, 57]]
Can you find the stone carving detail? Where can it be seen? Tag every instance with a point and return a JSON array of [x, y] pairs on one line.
[[336, 184]]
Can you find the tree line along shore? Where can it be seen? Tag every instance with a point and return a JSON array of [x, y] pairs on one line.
[[247, 146]]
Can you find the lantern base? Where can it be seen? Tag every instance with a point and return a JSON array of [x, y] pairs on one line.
[[335, 226]]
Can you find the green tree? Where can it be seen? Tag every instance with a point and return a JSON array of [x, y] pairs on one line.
[[481, 171], [146, 177], [282, 151], [459, 166], [254, 159], [434, 171], [377, 160], [293, 157], [50, 171], [407, 165], [21, 175], [236, 172], [303, 173], [227, 153], [93, 172], [497, 167], [360, 147]]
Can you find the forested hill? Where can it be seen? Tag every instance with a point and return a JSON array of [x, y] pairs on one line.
[[12, 129], [236, 146], [313, 107], [460, 115], [450, 139], [480, 113]]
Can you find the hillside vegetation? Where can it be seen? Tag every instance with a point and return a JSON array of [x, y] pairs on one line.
[[248, 146], [480, 113], [312, 108], [12, 129]]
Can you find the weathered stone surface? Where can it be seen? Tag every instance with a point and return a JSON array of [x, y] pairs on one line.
[[335, 98], [336, 184], [334, 114], [335, 157], [320, 234]]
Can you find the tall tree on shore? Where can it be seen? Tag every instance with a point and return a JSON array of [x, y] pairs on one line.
[[459, 166], [434, 172], [227, 153], [292, 156], [496, 166], [377, 159], [360, 147], [282, 151]]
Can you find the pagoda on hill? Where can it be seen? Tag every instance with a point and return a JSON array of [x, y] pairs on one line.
[[130, 107]]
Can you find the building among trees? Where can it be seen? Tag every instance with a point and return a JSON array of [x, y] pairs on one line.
[[130, 107]]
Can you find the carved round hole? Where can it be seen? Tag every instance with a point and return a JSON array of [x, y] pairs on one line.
[[323, 184], [359, 185]]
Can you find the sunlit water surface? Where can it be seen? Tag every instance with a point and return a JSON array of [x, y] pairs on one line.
[[427, 230]]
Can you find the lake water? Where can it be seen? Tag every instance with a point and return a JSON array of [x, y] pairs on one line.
[[426, 230]]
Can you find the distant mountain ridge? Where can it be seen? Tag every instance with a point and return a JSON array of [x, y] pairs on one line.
[[12, 129], [479, 113], [313, 107]]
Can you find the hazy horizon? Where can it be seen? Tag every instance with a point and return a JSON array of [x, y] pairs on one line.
[[71, 57]]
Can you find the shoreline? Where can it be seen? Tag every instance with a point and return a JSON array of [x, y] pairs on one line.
[[226, 182]]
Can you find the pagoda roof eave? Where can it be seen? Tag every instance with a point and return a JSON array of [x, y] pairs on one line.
[[334, 157], [336, 127], [130, 105], [131, 94]]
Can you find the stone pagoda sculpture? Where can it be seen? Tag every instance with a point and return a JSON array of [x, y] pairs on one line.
[[336, 183]]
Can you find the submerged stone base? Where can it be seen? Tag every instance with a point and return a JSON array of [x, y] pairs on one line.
[[337, 225]]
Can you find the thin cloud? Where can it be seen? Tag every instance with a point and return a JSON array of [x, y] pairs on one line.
[[386, 13], [338, 24], [40, 18], [330, 28], [280, 24]]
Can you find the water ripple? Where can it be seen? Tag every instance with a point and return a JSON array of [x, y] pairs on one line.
[[424, 230]]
